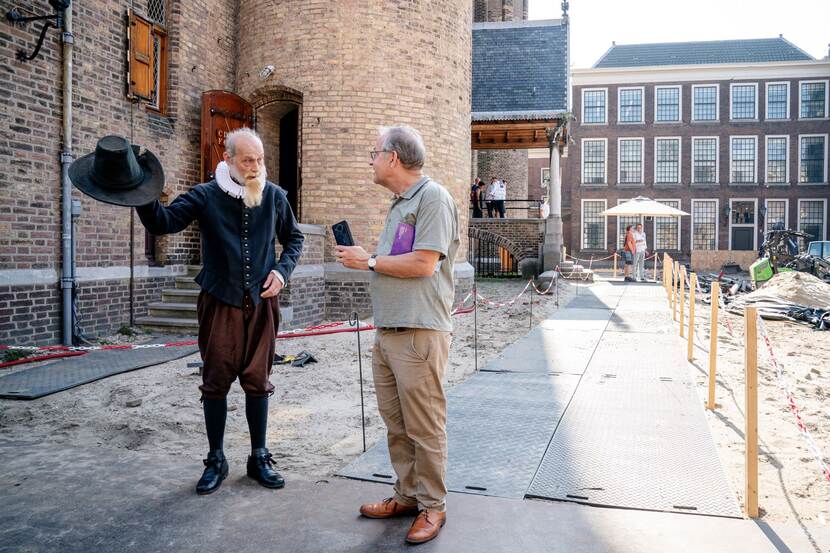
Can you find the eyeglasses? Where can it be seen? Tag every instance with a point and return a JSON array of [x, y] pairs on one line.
[[373, 154]]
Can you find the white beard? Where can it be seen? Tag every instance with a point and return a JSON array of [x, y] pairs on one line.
[[254, 185]]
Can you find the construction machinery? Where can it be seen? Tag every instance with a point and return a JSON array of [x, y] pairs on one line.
[[780, 253]]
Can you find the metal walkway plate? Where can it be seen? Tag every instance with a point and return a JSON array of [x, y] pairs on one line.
[[545, 350], [498, 427], [640, 443], [73, 371]]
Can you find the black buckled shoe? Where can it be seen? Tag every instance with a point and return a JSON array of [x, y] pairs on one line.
[[260, 468], [216, 470]]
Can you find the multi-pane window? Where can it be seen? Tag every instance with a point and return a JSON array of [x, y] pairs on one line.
[[667, 160], [147, 74], [777, 159], [593, 225], [811, 218], [705, 103], [705, 160], [776, 214], [744, 101], [742, 159], [813, 99], [593, 106], [811, 164], [631, 160], [704, 224], [667, 100], [777, 96], [593, 161], [631, 105], [667, 229]]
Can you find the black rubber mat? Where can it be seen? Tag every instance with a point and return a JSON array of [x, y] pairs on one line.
[[639, 442], [73, 371], [498, 427], [545, 350]]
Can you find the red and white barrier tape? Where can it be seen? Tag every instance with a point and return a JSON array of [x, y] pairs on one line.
[[505, 303], [784, 385], [590, 260]]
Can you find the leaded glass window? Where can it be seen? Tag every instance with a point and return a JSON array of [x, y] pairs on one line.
[[593, 110], [705, 162], [593, 161], [777, 101], [812, 159], [631, 105], [743, 160], [631, 161], [667, 154], [776, 213], [704, 224], [593, 225], [743, 101], [668, 104], [156, 11], [705, 103], [811, 218], [777, 160], [813, 96]]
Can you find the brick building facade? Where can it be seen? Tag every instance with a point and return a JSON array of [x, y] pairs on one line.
[[320, 74], [739, 146]]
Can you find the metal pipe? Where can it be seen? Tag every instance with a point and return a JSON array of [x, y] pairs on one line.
[[67, 261]]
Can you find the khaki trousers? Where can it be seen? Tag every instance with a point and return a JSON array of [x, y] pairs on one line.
[[408, 367]]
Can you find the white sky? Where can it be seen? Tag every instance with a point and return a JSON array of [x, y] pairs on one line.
[[595, 23]]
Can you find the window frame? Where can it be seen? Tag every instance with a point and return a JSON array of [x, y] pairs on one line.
[[642, 141], [692, 222], [679, 104], [582, 224], [743, 225], [158, 64], [824, 181], [732, 104], [679, 161], [786, 212], [717, 103], [582, 107], [731, 160], [826, 98], [786, 161], [766, 101], [642, 119], [823, 213], [582, 162], [717, 161], [679, 226]]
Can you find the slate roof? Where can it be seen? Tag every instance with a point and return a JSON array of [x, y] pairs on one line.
[[520, 69], [702, 53]]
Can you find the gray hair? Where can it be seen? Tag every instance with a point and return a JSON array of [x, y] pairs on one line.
[[232, 137], [407, 143]]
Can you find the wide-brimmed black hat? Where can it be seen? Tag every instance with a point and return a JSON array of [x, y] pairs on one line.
[[116, 174]]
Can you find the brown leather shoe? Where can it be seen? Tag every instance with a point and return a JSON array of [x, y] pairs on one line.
[[387, 508], [427, 525]]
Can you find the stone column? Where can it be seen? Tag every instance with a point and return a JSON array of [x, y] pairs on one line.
[[552, 246]]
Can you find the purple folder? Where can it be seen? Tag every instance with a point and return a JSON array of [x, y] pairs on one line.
[[404, 239]]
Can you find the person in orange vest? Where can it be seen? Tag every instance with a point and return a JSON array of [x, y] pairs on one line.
[[629, 247]]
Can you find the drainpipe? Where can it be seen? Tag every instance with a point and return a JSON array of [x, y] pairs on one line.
[[68, 260]]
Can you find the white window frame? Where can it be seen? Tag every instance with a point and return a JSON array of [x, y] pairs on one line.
[[582, 162], [731, 104], [744, 225], [786, 211], [642, 161], [619, 229], [717, 103], [717, 161], [542, 177], [826, 97], [582, 107], [582, 223], [679, 105], [679, 160], [642, 120], [679, 226], [692, 224], [798, 178], [755, 137], [823, 211], [766, 100], [766, 159]]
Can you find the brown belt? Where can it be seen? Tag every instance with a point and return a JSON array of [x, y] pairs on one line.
[[395, 328]]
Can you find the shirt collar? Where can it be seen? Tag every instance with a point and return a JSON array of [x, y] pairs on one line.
[[226, 183], [413, 189]]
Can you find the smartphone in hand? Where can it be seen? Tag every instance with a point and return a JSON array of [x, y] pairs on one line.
[[342, 234]]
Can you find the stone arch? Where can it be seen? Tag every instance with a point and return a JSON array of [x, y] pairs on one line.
[[515, 250]]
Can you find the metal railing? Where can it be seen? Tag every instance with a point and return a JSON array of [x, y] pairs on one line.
[[529, 206], [489, 258]]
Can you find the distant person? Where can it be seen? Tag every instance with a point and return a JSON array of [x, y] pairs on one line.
[[640, 252], [499, 196], [475, 198], [489, 198], [629, 247]]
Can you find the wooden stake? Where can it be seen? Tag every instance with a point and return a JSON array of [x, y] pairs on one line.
[[655, 267], [674, 288], [713, 343], [682, 300], [751, 430], [615, 264], [690, 346]]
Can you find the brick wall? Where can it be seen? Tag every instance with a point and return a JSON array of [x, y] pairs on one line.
[[510, 165], [526, 234], [500, 10]]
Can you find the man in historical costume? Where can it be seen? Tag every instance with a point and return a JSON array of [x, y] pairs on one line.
[[412, 295], [240, 214]]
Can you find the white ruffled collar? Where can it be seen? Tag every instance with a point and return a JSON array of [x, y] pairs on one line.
[[226, 183]]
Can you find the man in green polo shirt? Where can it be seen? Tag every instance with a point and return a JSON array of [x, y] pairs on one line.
[[412, 294]]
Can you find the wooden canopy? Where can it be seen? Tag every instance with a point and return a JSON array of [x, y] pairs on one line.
[[513, 135]]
